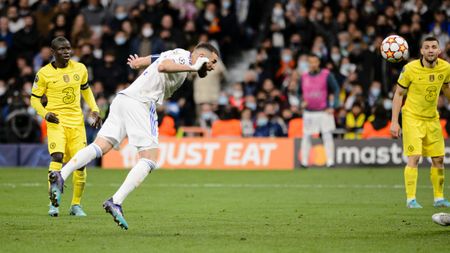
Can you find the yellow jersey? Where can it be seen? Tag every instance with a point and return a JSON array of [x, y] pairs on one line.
[[424, 85], [62, 87]]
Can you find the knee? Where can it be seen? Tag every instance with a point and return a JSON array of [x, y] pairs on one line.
[[57, 157], [413, 161], [437, 161]]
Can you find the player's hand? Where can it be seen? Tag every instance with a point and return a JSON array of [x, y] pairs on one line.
[[133, 61], [96, 120], [395, 130], [52, 117], [199, 63]]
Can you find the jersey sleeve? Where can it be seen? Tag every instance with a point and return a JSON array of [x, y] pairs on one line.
[[39, 85], [447, 80], [404, 80], [84, 78], [180, 56]]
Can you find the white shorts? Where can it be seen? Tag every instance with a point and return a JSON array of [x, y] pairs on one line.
[[318, 122], [129, 117]]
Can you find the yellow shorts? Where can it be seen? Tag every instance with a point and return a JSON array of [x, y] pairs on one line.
[[67, 140], [422, 137]]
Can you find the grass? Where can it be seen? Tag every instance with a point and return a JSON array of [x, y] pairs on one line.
[[316, 210]]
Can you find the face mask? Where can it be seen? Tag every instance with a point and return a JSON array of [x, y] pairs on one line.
[[31, 110], [3, 50], [147, 32], [286, 58], [278, 12], [336, 58], [303, 67], [209, 16], [375, 92], [237, 94], [223, 100], [120, 40], [262, 121], [121, 16], [98, 53], [387, 104], [343, 43], [346, 69], [251, 105], [226, 5], [206, 115], [436, 30]]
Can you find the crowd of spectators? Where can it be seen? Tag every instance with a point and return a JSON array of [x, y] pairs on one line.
[[263, 101]]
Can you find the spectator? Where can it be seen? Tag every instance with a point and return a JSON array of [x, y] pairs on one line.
[[110, 73], [227, 125], [207, 90], [266, 127], [16, 23], [5, 33], [247, 125], [94, 14], [26, 41], [6, 61], [354, 122], [378, 125], [81, 31], [147, 42], [207, 116]]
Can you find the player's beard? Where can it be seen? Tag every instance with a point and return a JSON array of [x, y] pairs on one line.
[[431, 60]]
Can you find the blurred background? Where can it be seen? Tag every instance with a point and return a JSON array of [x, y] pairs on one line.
[[263, 44]]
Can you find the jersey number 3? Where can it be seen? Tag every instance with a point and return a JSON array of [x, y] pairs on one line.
[[69, 95], [431, 94]]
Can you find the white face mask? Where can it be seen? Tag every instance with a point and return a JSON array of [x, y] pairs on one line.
[[303, 67], [278, 12], [147, 32], [209, 16], [98, 53], [286, 58], [120, 40], [237, 93], [375, 92], [335, 58], [3, 50], [262, 121], [387, 104], [121, 15], [2, 90]]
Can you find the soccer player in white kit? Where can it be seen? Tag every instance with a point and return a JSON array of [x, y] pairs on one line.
[[133, 114]]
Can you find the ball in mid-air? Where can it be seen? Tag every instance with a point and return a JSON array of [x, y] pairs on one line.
[[394, 49]]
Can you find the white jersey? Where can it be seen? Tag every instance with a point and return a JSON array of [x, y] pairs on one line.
[[154, 86]]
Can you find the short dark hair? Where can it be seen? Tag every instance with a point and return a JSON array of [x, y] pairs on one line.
[[429, 38], [56, 41], [207, 46]]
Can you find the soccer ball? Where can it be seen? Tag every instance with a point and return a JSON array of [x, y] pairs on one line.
[[394, 49]]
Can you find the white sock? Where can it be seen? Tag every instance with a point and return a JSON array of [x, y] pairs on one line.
[[80, 159], [306, 147], [328, 142], [134, 178]]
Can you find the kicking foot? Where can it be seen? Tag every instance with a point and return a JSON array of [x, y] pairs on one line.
[[116, 212], [76, 210], [56, 187], [53, 211]]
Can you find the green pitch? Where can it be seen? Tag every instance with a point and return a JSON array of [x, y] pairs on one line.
[[316, 210]]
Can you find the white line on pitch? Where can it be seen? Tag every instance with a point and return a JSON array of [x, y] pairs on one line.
[[218, 185]]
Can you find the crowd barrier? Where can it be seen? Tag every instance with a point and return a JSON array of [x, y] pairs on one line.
[[232, 154]]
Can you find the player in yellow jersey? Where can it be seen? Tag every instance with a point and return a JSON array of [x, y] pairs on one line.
[[421, 81], [62, 81]]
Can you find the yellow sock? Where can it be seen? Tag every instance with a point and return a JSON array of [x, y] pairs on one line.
[[410, 182], [437, 180], [79, 181]]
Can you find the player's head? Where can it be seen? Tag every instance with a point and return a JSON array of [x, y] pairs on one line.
[[205, 50], [313, 63], [430, 49], [61, 49]]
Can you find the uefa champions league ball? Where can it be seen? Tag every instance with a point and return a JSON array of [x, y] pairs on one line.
[[394, 49]]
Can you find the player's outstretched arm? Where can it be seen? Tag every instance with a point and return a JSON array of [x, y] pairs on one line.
[[396, 106], [170, 66], [136, 62]]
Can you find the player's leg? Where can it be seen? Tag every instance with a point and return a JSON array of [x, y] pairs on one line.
[[411, 175], [142, 130], [413, 133], [56, 149], [434, 147], [310, 126], [327, 126], [111, 133], [76, 140]]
